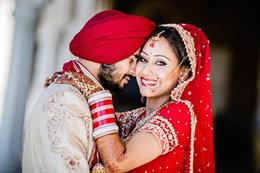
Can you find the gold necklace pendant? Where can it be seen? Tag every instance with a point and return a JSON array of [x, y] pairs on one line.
[[98, 168]]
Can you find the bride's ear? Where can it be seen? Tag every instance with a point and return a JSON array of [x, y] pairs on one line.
[[184, 74]]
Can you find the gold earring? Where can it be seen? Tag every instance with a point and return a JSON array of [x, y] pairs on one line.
[[184, 74]]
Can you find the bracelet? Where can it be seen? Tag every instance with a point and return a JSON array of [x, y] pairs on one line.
[[105, 131], [102, 113], [98, 95], [99, 104], [106, 121]]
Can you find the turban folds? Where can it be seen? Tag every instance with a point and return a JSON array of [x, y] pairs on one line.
[[111, 36]]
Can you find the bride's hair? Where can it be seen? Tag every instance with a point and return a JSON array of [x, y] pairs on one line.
[[175, 40]]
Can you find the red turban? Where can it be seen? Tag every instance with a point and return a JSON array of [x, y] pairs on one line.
[[111, 36]]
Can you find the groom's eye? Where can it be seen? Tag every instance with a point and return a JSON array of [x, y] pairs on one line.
[[131, 60], [141, 59], [137, 57]]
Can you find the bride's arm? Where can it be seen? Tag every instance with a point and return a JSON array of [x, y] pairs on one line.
[[117, 157]]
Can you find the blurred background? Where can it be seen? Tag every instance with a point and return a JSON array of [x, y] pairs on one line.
[[34, 37]]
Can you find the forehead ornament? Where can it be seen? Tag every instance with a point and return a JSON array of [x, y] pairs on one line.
[[156, 38]]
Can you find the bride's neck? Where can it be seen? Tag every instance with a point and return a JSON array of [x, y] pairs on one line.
[[154, 103]]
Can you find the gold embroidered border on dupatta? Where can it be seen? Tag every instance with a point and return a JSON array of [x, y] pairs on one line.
[[177, 92]]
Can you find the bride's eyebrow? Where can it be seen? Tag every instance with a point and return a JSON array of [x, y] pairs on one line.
[[162, 56]]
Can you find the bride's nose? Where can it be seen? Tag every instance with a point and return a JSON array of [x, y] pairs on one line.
[[147, 69]]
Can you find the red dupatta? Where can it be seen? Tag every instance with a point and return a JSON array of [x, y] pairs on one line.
[[195, 92]]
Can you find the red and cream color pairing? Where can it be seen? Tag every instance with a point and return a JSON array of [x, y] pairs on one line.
[[102, 112]]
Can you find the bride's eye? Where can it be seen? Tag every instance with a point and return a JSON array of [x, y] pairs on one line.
[[160, 63]]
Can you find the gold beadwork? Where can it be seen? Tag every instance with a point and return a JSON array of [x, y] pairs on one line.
[[80, 81], [98, 168]]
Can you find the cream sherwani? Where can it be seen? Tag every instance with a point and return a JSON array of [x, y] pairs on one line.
[[58, 137]]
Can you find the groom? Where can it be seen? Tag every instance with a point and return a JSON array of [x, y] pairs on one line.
[[59, 135]]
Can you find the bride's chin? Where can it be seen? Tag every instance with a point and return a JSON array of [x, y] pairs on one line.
[[145, 94]]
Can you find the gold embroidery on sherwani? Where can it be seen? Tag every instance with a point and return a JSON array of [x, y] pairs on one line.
[[57, 125], [80, 81], [86, 86], [62, 114]]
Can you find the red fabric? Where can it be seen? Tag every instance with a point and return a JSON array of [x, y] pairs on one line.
[[71, 66], [200, 97], [111, 36], [104, 122], [176, 160], [102, 112], [102, 103]]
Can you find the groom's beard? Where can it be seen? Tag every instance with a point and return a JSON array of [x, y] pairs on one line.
[[111, 78]]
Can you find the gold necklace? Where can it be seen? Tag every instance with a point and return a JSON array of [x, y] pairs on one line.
[[144, 120]]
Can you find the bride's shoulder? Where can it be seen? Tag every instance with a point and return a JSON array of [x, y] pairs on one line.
[[175, 107]]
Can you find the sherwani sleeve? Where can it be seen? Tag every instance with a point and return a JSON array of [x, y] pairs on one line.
[[59, 136]]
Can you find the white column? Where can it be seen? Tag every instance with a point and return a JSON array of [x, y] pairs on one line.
[[26, 13], [58, 23], [6, 35], [55, 15], [83, 11]]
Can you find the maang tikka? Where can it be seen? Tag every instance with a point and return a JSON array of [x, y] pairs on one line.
[[156, 38]]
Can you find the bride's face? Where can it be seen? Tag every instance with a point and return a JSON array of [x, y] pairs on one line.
[[157, 69]]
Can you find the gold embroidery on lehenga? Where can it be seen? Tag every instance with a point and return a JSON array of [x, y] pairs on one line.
[[168, 137], [142, 120]]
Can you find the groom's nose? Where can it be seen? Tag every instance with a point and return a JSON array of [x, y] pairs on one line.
[[132, 73], [132, 68]]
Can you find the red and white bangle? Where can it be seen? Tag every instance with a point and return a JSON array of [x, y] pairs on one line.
[[102, 112]]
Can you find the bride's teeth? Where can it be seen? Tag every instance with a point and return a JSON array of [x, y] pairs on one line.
[[151, 83]]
